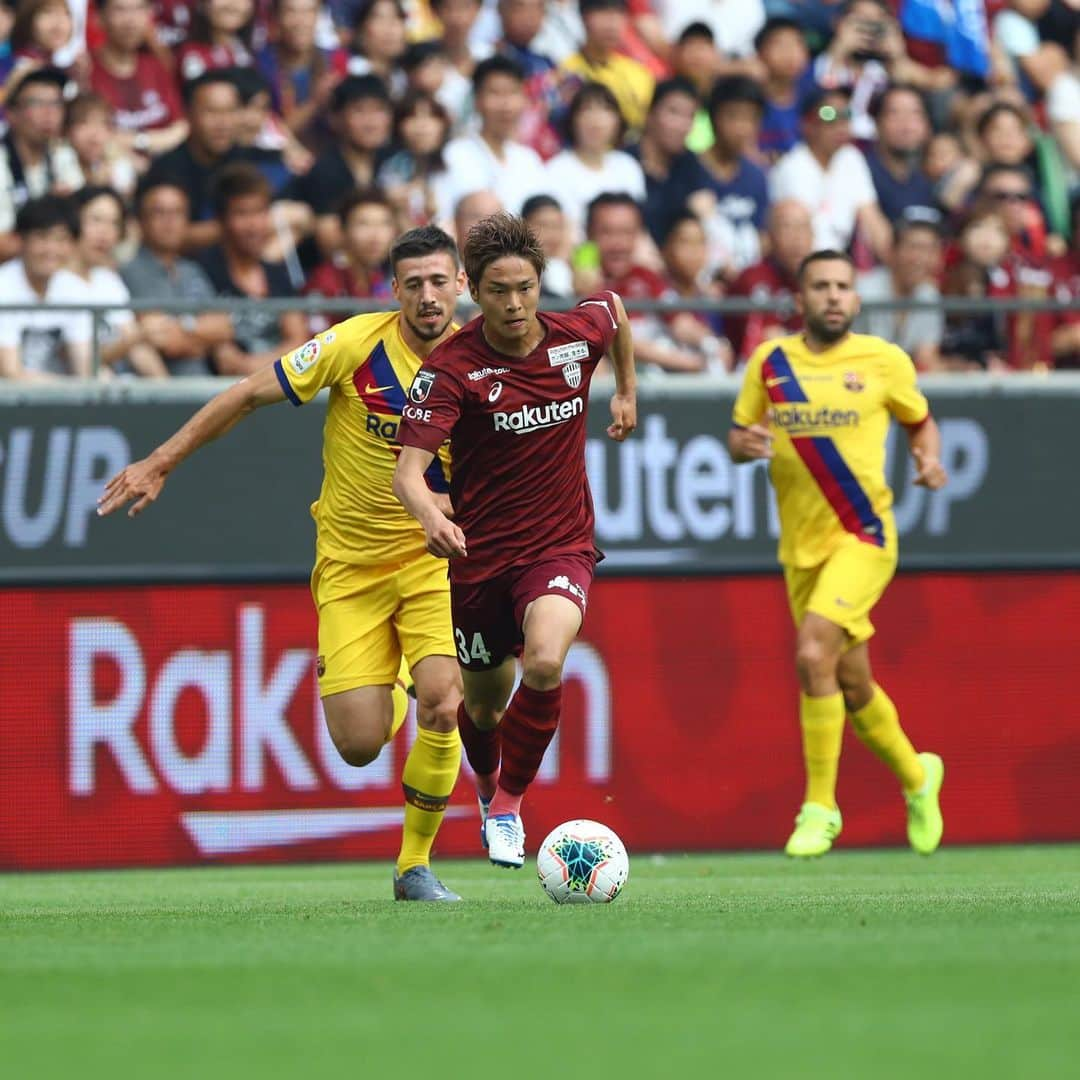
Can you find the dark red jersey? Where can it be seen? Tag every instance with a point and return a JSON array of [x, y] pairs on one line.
[[517, 437], [146, 100]]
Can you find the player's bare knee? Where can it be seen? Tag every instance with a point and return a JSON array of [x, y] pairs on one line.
[[542, 671], [814, 661], [358, 747], [439, 714]]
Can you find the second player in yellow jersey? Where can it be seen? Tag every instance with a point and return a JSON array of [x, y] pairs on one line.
[[379, 594], [817, 405]]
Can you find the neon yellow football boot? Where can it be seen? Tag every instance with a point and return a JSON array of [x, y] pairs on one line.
[[816, 828], [924, 824]]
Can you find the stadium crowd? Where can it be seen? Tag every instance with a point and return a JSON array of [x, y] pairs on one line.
[[187, 149]]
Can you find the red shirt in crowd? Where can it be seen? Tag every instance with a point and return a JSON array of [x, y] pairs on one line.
[[144, 101], [517, 434], [330, 280], [765, 281], [197, 57]]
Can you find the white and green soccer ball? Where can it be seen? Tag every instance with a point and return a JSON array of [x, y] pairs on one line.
[[582, 862]]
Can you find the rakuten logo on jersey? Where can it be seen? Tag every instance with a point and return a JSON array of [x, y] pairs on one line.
[[537, 417]]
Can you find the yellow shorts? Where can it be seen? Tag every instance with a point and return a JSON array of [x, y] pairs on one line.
[[843, 588], [370, 616]]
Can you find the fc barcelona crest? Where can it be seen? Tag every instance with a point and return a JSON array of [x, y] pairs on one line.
[[421, 387], [572, 374], [853, 382]]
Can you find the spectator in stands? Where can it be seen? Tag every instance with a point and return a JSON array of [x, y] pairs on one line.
[[37, 343], [160, 272], [912, 274], [831, 178], [213, 104], [103, 159], [520, 22], [134, 80], [34, 160], [614, 224], [362, 119], [545, 217], [122, 344], [1011, 190], [379, 42], [592, 162], [492, 159], [773, 281], [1065, 340], [736, 217], [220, 37], [236, 268], [41, 30], [415, 177], [562, 30], [458, 19], [368, 228], [301, 74], [785, 60], [695, 58], [470, 209], [428, 71], [600, 61], [262, 136], [673, 174], [685, 254], [866, 52], [950, 171], [903, 133], [732, 22]]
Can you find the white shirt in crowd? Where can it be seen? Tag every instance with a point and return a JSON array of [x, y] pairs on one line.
[[834, 196], [473, 166], [574, 185], [40, 335], [62, 170], [107, 287], [734, 23]]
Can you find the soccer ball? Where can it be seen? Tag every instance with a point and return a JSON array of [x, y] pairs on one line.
[[582, 862]]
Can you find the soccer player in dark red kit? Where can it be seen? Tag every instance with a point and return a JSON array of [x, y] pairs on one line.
[[509, 390]]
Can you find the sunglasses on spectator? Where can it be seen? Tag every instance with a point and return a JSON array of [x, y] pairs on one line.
[[1009, 196], [830, 114]]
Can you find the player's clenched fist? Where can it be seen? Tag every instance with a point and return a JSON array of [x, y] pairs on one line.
[[141, 480], [931, 473], [444, 539], [750, 443], [624, 416]]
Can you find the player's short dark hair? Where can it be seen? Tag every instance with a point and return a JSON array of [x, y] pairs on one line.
[[44, 213], [215, 77], [152, 181], [606, 199], [237, 181], [823, 255], [592, 93], [736, 89], [675, 85], [425, 240], [535, 203], [496, 65], [496, 236], [369, 196]]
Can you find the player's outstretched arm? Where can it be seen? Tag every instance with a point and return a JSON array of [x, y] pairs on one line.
[[444, 538], [624, 401], [749, 443], [924, 441], [143, 480]]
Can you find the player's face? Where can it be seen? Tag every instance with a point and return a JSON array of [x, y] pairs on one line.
[[508, 295], [427, 288], [827, 300]]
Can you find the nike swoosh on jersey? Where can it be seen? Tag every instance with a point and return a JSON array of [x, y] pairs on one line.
[[376, 389], [777, 381]]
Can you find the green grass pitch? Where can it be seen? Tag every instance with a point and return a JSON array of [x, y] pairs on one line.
[[862, 964]]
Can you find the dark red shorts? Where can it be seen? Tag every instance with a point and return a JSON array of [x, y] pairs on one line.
[[488, 614]]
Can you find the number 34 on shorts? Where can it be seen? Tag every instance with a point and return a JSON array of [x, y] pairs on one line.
[[471, 652]]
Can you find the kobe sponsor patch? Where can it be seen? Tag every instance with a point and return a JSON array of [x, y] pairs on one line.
[[564, 354], [305, 356]]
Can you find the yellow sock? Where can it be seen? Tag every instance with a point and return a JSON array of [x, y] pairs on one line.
[[431, 770], [400, 696], [822, 720], [877, 724]]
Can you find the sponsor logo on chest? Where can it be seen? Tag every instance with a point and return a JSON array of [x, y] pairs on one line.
[[529, 418]]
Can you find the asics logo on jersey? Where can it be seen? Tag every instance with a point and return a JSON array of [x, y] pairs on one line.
[[537, 417], [803, 419]]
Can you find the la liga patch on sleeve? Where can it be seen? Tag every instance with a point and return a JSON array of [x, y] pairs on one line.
[[305, 356]]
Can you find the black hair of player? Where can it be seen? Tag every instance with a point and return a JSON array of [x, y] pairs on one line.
[[497, 237], [421, 241], [824, 255]]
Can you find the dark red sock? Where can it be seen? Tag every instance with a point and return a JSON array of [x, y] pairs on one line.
[[482, 748], [527, 730]]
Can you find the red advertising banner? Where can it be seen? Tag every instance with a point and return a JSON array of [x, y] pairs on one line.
[[162, 725]]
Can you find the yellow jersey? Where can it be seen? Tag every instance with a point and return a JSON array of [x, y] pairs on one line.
[[829, 414], [369, 368], [631, 82]]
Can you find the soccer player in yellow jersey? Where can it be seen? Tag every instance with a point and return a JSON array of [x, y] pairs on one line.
[[817, 405], [379, 594]]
